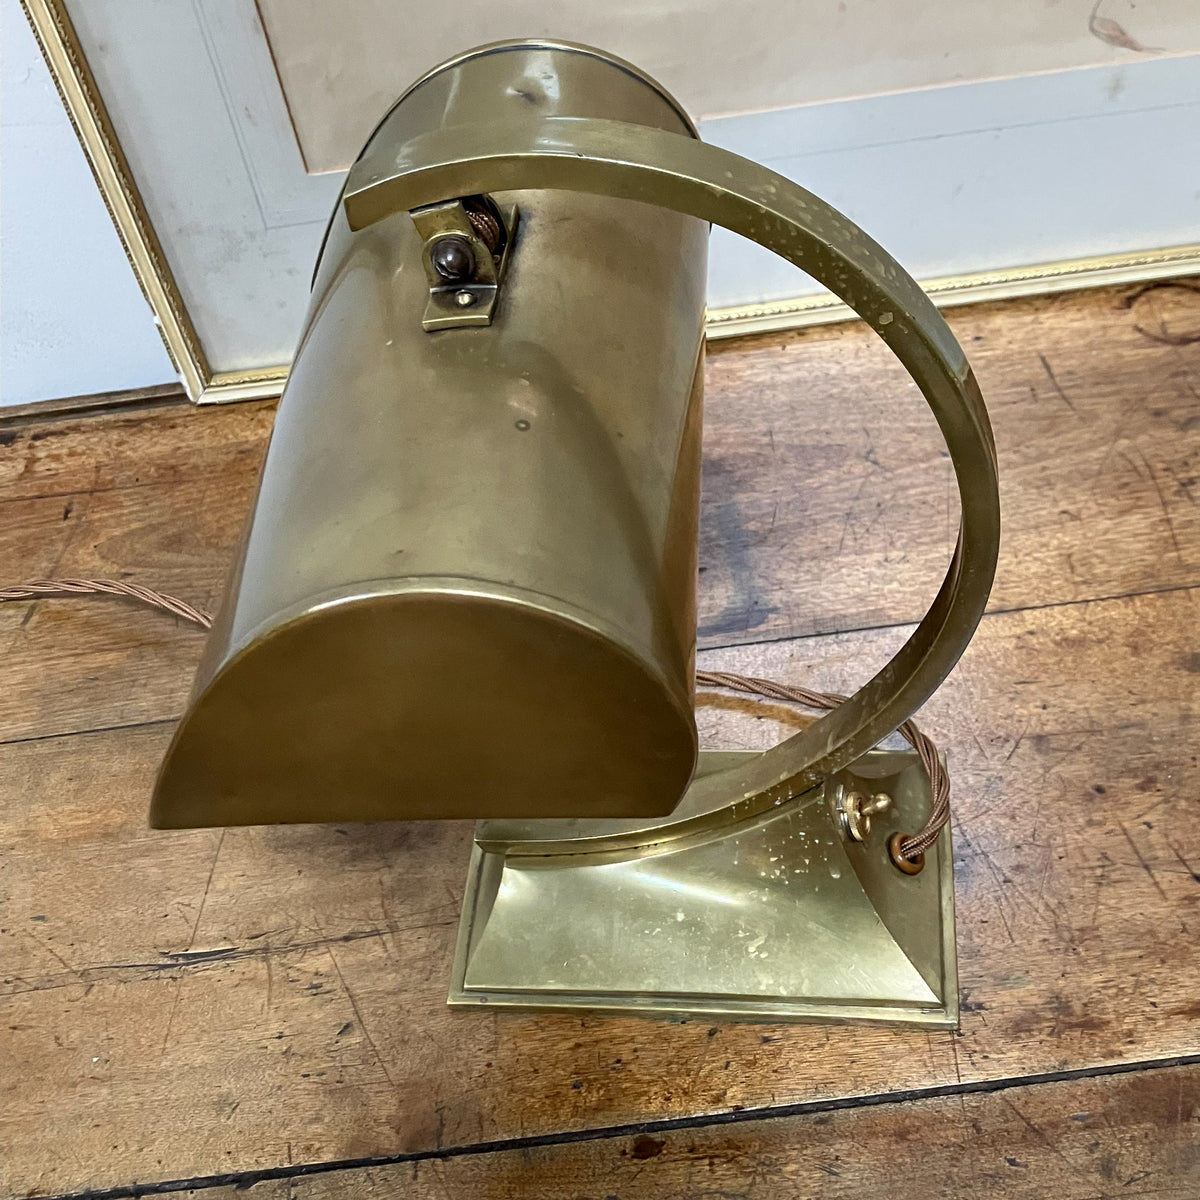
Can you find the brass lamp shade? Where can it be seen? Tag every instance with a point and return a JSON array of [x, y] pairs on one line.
[[467, 585]]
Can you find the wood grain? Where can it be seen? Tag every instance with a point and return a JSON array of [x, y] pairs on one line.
[[157, 497], [1121, 1136], [159, 395], [829, 499], [183, 1004], [109, 452], [828, 503]]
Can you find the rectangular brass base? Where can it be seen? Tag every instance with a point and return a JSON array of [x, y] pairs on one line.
[[780, 918]]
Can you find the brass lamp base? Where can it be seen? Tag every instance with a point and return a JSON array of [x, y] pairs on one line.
[[779, 917]]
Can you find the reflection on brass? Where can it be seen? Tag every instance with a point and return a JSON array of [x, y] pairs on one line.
[[778, 918], [619, 159], [467, 585]]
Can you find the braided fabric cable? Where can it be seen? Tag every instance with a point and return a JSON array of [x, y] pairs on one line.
[[41, 589], [911, 847]]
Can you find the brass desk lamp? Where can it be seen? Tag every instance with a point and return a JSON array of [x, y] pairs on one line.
[[467, 584]]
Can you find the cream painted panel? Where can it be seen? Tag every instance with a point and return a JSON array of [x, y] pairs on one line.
[[341, 65], [188, 85]]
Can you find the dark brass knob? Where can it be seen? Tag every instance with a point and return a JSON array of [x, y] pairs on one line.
[[453, 258]]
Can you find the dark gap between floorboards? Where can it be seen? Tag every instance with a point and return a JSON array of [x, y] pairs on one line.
[[245, 1180]]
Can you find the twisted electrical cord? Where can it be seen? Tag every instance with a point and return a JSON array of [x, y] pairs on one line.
[[41, 589], [911, 847]]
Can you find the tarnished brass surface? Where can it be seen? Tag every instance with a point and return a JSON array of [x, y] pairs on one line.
[[780, 919], [467, 585]]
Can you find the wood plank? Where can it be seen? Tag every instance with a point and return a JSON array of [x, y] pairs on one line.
[[93, 663], [830, 499], [1120, 1136], [827, 501], [156, 497], [105, 452], [183, 1004]]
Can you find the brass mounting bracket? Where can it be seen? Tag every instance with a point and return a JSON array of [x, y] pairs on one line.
[[470, 299]]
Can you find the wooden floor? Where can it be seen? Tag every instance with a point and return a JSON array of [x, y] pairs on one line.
[[214, 1010]]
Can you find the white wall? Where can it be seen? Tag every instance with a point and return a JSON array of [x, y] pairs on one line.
[[72, 318], [342, 64]]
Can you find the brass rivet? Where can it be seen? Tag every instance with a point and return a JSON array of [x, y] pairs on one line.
[[464, 299], [910, 866]]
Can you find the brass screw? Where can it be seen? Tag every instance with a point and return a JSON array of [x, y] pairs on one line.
[[857, 811], [464, 299]]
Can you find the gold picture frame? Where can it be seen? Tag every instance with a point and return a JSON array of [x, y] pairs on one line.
[[76, 86]]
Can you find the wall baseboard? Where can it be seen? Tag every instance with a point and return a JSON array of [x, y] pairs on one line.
[[159, 396]]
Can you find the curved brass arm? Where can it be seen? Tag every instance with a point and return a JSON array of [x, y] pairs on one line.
[[634, 162]]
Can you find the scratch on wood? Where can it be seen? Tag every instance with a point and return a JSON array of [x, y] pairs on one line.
[[207, 887], [1144, 864], [1017, 744], [1036, 1130], [1183, 862], [1056, 385], [979, 852], [361, 1023], [178, 962], [177, 992], [270, 979], [1162, 500], [55, 955]]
